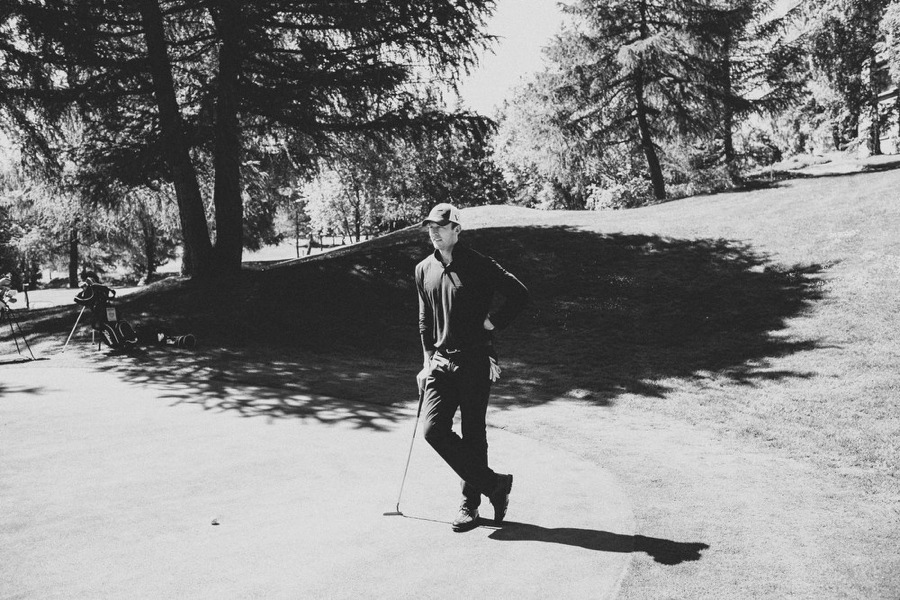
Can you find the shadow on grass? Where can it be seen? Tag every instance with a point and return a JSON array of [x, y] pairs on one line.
[[263, 385], [616, 314], [6, 391], [611, 314], [663, 551], [15, 359]]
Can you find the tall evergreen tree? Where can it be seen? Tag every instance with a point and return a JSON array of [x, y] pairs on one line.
[[170, 83], [754, 62], [844, 38], [635, 77], [641, 72]]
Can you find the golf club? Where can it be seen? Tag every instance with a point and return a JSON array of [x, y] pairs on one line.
[[396, 511], [73, 328]]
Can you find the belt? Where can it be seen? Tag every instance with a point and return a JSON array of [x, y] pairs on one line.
[[483, 347]]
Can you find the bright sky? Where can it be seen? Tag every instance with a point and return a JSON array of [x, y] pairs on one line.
[[524, 27]]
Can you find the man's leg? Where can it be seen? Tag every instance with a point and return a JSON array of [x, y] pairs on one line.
[[441, 399], [474, 391]]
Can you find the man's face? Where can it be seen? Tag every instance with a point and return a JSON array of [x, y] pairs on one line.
[[443, 237]]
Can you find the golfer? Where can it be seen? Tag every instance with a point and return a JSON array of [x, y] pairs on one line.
[[456, 287]]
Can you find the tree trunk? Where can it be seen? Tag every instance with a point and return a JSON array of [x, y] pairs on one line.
[[150, 251], [198, 249], [836, 135], [728, 116], [186, 260], [897, 110], [853, 123], [227, 148], [357, 217], [874, 116], [73, 257], [653, 166], [297, 230]]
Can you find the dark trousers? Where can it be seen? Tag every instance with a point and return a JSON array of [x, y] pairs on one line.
[[461, 380]]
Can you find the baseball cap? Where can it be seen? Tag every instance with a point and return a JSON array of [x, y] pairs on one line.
[[442, 214]]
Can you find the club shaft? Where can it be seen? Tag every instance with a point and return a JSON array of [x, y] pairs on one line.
[[73, 328], [411, 443]]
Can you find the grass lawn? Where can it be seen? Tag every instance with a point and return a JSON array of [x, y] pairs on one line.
[[732, 359]]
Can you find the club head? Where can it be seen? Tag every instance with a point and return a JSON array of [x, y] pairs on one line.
[[394, 513]]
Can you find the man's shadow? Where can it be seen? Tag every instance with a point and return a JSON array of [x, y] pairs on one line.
[[666, 552]]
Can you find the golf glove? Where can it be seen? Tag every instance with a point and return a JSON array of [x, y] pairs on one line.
[[495, 370]]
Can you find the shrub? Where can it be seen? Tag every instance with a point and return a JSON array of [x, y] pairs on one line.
[[610, 194], [703, 181], [758, 149]]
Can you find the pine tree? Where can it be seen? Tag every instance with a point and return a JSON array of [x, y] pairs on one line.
[[169, 84], [642, 73], [752, 64], [843, 42]]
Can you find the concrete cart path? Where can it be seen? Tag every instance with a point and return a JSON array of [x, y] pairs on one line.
[[110, 489]]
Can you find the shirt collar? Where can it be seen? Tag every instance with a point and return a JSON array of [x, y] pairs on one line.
[[459, 252]]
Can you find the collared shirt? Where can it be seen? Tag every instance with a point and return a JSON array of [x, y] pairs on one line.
[[455, 299]]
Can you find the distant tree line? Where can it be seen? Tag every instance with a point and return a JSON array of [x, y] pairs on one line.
[[643, 101]]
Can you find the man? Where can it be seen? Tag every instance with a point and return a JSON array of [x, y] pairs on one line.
[[456, 287]]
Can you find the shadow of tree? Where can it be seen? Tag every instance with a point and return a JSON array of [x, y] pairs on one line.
[[610, 314], [8, 390], [663, 551], [619, 313], [264, 386]]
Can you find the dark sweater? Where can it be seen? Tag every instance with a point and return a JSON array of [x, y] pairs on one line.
[[454, 300]]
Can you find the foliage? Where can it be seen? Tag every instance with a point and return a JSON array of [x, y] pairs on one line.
[[142, 228], [621, 192], [758, 149], [8, 258], [632, 87], [545, 163], [889, 29], [368, 186], [37, 222], [166, 83], [138, 232], [843, 38], [757, 68], [335, 206]]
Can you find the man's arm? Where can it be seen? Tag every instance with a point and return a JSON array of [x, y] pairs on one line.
[[515, 296], [426, 319]]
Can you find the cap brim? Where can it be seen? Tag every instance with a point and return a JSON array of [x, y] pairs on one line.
[[438, 223]]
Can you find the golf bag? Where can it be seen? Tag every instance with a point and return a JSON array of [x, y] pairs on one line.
[[152, 333], [116, 333]]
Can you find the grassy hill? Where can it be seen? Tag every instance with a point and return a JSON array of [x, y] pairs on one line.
[[733, 358], [770, 313]]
